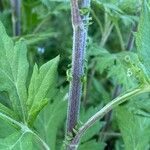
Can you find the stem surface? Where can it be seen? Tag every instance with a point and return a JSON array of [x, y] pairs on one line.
[[75, 142], [79, 24], [16, 17]]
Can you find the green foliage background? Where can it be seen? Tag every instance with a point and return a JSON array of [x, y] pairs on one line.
[[34, 90]]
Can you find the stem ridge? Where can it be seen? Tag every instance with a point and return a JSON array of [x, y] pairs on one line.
[[79, 24]]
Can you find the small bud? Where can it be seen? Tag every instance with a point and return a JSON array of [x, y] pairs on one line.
[[129, 72], [127, 58]]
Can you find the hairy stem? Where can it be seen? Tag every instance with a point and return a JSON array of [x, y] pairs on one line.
[[79, 23], [16, 17], [75, 142]]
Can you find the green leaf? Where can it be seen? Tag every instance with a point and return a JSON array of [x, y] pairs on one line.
[[94, 129], [134, 129], [124, 68], [88, 141], [5, 19], [17, 141], [36, 38], [13, 71], [48, 2], [117, 67], [92, 144], [111, 8], [5, 110], [143, 36], [128, 6], [52, 117], [6, 128], [42, 80], [140, 105]]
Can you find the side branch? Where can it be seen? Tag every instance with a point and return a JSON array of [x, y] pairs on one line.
[[75, 142]]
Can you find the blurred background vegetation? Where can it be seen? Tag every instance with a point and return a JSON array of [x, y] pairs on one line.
[[46, 25]]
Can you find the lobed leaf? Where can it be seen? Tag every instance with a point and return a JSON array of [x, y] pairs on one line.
[[134, 128], [5, 110], [143, 38], [13, 71], [117, 67], [17, 140], [52, 117], [92, 144], [42, 80]]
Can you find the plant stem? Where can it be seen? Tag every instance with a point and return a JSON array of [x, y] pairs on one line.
[[41, 24], [108, 116], [106, 34], [75, 142], [112, 134], [97, 20], [120, 36], [16, 17], [1, 6], [108, 26], [131, 39], [118, 88], [79, 23]]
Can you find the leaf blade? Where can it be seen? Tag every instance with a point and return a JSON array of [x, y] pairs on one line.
[[42, 81], [142, 36], [13, 71]]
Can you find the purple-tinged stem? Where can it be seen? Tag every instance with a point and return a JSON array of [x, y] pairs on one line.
[[79, 24], [16, 17]]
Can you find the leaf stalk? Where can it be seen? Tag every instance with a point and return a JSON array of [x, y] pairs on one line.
[[111, 105]]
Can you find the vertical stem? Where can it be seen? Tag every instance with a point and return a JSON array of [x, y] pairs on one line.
[[120, 36], [97, 19], [1, 6], [16, 16], [131, 39], [108, 26], [79, 24]]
